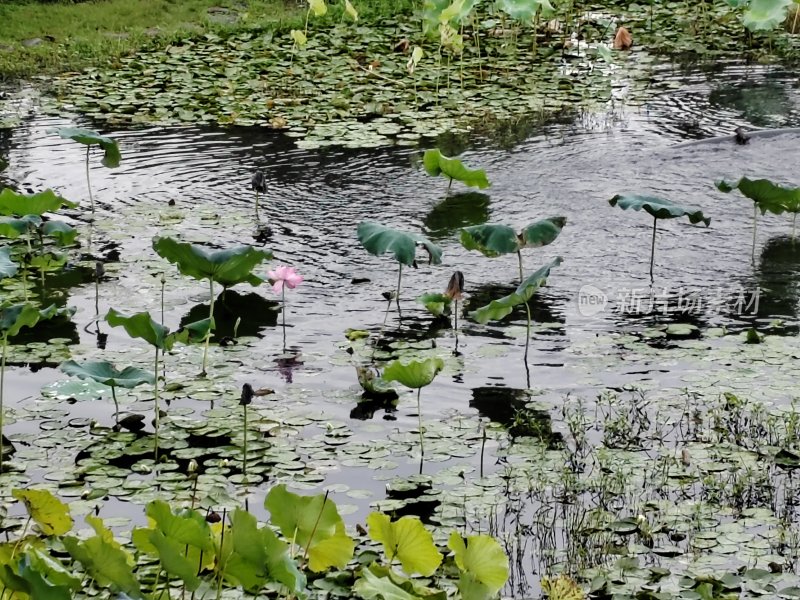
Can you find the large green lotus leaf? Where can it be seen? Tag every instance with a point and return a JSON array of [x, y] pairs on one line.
[[407, 540], [378, 582], [498, 309], [378, 239], [525, 10], [313, 522], [764, 15], [769, 196], [415, 373], [194, 332], [432, 14], [111, 157], [185, 527], [658, 207], [16, 316], [47, 511], [14, 203], [173, 561], [482, 558], [226, 267], [63, 233], [108, 565], [542, 233], [40, 588], [490, 239], [48, 262], [8, 268], [141, 325], [13, 227], [458, 11], [437, 164], [260, 556], [105, 373], [437, 304], [52, 569]]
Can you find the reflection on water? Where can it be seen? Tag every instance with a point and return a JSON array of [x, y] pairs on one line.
[[456, 211]]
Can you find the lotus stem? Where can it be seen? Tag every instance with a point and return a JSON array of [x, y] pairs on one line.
[[211, 318], [2, 387], [283, 314], [155, 395], [397, 295], [755, 225], [483, 447], [455, 325], [519, 257], [244, 454], [221, 565], [794, 216], [653, 248], [88, 181], [527, 334], [449, 185], [116, 404], [257, 219], [419, 417]]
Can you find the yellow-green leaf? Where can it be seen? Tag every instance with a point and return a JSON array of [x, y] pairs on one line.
[[299, 37], [482, 559], [350, 10], [407, 540], [318, 7], [47, 511]]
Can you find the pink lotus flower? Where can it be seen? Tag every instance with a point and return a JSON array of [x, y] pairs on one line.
[[284, 276]]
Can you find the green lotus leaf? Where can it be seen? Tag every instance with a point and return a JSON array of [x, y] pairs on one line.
[[52, 569], [107, 564], [407, 540], [542, 233], [764, 15], [39, 588], [141, 325], [436, 163], [173, 561], [372, 587], [183, 527], [8, 268], [14, 317], [260, 556], [498, 309], [13, 227], [313, 522], [63, 233], [47, 511], [378, 239], [415, 373], [490, 239], [482, 560], [14, 203], [659, 208], [48, 262], [87, 137], [436, 303], [107, 374], [226, 267], [768, 196], [194, 332], [525, 10]]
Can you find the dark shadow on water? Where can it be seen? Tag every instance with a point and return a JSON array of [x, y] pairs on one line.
[[457, 211], [509, 407], [758, 104], [255, 311]]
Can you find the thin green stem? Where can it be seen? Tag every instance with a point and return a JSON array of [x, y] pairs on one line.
[[88, 181], [519, 257], [399, 281], [527, 332], [211, 318], [314, 529], [257, 218], [419, 426], [794, 216], [755, 225], [653, 248], [244, 453], [283, 314], [21, 537], [155, 394], [116, 404]]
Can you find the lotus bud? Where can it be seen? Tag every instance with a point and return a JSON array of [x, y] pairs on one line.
[[192, 466], [455, 289], [247, 395]]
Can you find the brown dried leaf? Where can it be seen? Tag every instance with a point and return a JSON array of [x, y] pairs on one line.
[[623, 39]]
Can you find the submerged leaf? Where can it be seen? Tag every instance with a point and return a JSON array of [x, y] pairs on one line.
[[436, 163]]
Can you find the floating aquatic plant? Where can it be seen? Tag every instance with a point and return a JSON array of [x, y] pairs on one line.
[[436, 164], [107, 374], [378, 239], [89, 138], [226, 267], [494, 240], [658, 208], [16, 203], [13, 317], [415, 374]]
